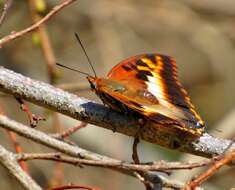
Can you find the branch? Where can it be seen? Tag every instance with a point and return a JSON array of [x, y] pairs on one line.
[[63, 147], [72, 186], [211, 171], [8, 160], [15, 35], [87, 111], [45, 42], [18, 149], [161, 166], [44, 139], [69, 131], [6, 7]]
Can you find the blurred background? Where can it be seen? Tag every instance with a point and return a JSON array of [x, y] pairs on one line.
[[199, 34]]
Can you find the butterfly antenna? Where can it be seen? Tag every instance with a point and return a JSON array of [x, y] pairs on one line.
[[84, 50], [73, 69]]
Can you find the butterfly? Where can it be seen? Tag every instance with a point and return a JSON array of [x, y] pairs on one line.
[[147, 85]]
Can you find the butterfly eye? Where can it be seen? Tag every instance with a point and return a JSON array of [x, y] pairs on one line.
[[199, 125], [93, 85], [92, 82]]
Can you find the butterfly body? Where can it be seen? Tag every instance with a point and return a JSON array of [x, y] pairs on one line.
[[147, 86]]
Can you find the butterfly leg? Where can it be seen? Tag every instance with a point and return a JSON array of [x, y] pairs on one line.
[[135, 155], [148, 184]]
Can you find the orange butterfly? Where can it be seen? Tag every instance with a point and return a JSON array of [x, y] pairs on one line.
[[147, 85]]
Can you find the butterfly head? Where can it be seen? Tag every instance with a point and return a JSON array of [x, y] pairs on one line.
[[93, 82]]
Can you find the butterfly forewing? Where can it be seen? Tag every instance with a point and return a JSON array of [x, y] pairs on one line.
[[148, 84]]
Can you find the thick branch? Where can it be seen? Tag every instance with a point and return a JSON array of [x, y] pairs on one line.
[[8, 160], [85, 110]]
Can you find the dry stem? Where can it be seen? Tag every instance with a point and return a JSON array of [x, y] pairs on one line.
[[18, 34], [8, 160]]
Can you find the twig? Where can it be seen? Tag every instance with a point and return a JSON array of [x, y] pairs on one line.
[[172, 184], [69, 131], [33, 119], [211, 171], [87, 111], [57, 136], [8, 160], [6, 7], [148, 185], [58, 176], [158, 166], [45, 42], [18, 34], [18, 148], [73, 186]]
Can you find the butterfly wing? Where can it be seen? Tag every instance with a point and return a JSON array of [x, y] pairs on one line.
[[152, 88], [140, 101]]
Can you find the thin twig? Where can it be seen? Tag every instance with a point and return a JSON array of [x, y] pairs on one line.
[[73, 186], [18, 34], [158, 166], [17, 146], [211, 171], [58, 176], [33, 119], [45, 42], [8, 160], [18, 149], [6, 7], [69, 131]]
